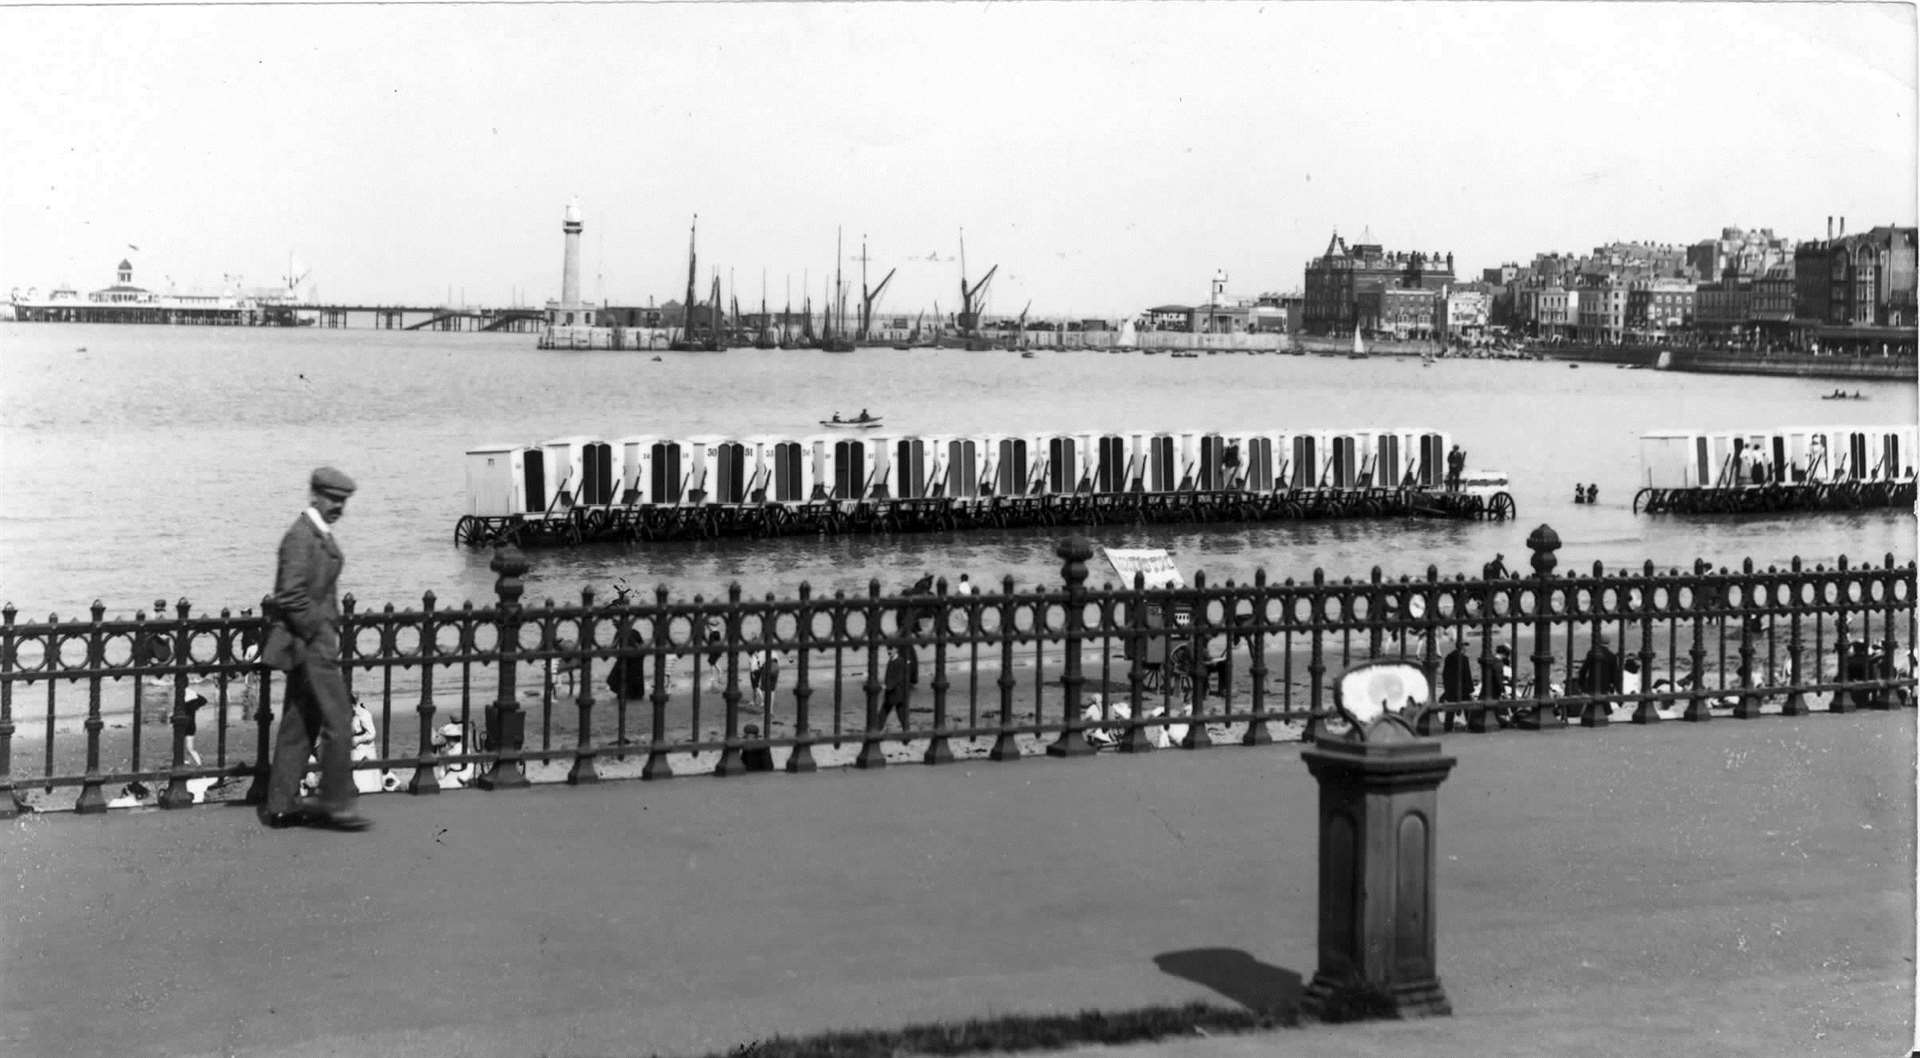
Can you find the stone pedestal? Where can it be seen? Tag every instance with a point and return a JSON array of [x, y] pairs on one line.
[[1378, 798]]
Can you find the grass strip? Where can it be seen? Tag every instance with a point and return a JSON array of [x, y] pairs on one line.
[[1017, 1033]]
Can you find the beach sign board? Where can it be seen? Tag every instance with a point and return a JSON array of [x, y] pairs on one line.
[[1152, 562]]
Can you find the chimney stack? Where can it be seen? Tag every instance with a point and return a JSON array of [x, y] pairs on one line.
[[1829, 227], [1843, 227]]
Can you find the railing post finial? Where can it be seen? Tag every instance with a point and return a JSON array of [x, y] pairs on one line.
[[511, 564], [1543, 542]]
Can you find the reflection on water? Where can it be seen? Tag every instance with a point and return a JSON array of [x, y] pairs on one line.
[[165, 462]]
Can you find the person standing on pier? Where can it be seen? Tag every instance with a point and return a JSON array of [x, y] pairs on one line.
[[303, 641], [1456, 465]]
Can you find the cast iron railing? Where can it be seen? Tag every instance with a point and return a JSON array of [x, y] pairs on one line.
[[1003, 674]]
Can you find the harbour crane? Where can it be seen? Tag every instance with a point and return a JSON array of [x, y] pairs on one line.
[[972, 299], [868, 297]]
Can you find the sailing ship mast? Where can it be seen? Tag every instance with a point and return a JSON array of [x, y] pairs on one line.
[[763, 331], [686, 311], [837, 342], [806, 308]]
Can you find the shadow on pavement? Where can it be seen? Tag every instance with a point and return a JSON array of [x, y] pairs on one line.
[[1263, 989]]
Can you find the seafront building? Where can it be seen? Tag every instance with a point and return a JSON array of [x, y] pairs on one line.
[[1465, 312], [1746, 253], [1658, 306], [1366, 288], [1857, 292], [1722, 307], [1743, 290], [1603, 311]]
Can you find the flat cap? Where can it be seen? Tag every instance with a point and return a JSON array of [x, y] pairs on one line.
[[329, 480]]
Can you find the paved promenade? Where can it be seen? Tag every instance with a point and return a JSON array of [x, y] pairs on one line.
[[1718, 889]]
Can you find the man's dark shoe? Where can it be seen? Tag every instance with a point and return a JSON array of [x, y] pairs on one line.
[[341, 821], [282, 820]]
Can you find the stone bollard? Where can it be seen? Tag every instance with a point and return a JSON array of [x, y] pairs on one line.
[[1379, 793]]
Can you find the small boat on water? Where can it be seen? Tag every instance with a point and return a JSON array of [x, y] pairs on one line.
[[864, 422], [1839, 395]]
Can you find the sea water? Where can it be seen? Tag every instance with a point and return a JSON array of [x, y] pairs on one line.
[[144, 463]]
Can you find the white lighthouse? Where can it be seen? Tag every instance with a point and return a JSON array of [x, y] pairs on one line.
[[569, 311], [570, 269]]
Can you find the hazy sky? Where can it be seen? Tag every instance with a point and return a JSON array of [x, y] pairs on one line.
[[1106, 156]]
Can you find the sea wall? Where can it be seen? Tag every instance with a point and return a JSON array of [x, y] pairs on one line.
[[1804, 365], [646, 338]]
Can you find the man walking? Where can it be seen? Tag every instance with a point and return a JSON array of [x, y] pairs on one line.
[[897, 681], [303, 641], [1456, 680]]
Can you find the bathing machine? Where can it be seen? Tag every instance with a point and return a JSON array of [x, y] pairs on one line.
[[646, 487]]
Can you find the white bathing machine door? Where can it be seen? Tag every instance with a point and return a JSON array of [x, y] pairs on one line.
[[493, 480]]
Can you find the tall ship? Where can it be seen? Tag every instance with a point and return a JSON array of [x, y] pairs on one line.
[[973, 304], [709, 341]]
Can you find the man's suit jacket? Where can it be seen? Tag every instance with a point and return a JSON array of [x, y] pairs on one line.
[[305, 611], [1456, 677]]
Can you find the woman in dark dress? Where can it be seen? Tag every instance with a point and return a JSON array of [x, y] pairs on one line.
[[628, 677]]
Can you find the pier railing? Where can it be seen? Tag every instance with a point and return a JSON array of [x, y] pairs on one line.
[[178, 705]]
